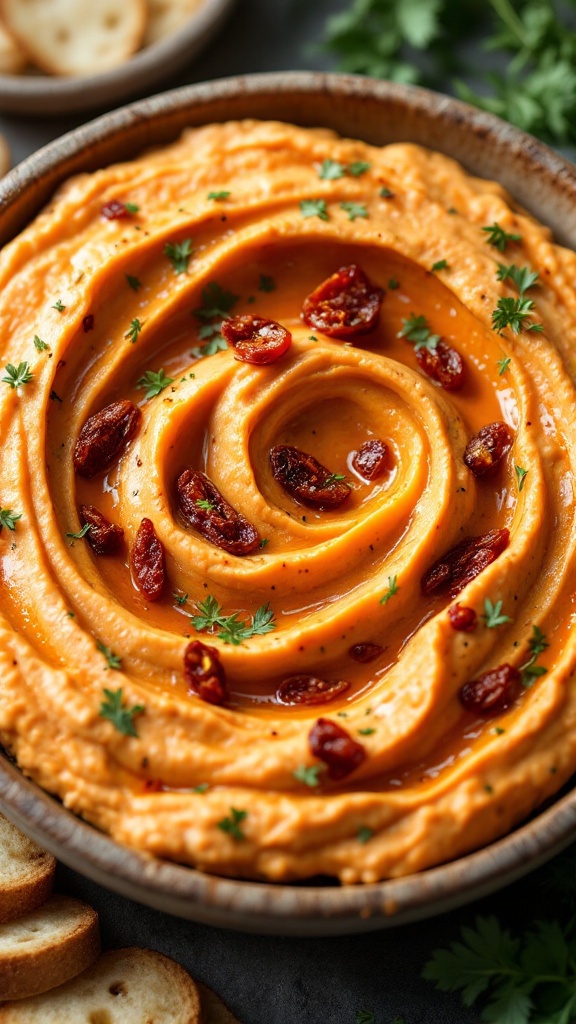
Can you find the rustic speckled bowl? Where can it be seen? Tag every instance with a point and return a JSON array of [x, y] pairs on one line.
[[45, 94], [378, 112]]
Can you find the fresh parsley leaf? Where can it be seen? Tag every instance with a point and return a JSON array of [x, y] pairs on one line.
[[333, 478], [500, 238], [364, 834], [330, 170], [503, 365], [366, 732], [358, 167], [59, 305], [263, 620], [393, 284], [520, 476], [217, 343], [40, 345], [354, 210], [267, 284], [440, 265], [523, 277], [492, 614], [230, 628], [134, 283], [120, 716], [210, 614], [8, 518], [154, 383], [392, 589], [386, 193], [529, 670], [515, 314], [537, 642], [417, 330], [112, 659], [180, 253], [309, 775], [314, 208], [231, 824], [203, 787], [131, 207], [365, 1017], [134, 330], [81, 533], [264, 542], [180, 599], [219, 196], [216, 304], [204, 504], [16, 376]]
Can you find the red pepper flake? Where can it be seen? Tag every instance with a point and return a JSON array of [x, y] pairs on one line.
[[88, 322]]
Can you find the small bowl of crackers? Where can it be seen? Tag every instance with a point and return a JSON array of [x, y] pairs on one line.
[[60, 56]]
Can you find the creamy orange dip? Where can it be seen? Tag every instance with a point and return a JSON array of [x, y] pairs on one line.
[[235, 788]]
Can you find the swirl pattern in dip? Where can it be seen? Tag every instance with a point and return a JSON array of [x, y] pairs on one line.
[[247, 218]]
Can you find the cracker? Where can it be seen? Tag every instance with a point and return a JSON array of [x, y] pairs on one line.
[[76, 37], [165, 17]]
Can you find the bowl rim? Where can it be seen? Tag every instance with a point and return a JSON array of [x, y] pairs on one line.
[[185, 891]]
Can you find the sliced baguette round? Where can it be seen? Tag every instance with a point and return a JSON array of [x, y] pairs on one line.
[[26, 871], [165, 17], [47, 946], [213, 1010], [124, 986], [76, 37]]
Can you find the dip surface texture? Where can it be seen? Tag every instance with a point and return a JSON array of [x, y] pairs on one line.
[[116, 293]]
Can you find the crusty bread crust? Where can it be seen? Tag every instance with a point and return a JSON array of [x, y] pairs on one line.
[[26, 871]]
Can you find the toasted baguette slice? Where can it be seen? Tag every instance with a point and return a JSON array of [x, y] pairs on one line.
[[47, 947], [125, 986], [165, 17], [76, 37], [26, 871], [212, 1009]]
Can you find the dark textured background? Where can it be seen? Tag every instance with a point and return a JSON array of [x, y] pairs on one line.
[[284, 980]]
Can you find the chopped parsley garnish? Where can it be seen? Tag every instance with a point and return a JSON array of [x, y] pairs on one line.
[[393, 284], [392, 589], [529, 670], [131, 207], [120, 716], [500, 238], [514, 313], [309, 775], [314, 208], [440, 265], [154, 382], [204, 504], [230, 628], [364, 834], [417, 330], [180, 599], [386, 193], [59, 305], [264, 542], [218, 196], [523, 277], [180, 253], [134, 283], [365, 1017], [354, 210], [498, 730], [81, 533], [330, 170], [133, 331], [216, 343], [492, 614], [16, 376], [203, 787], [8, 518], [112, 659], [520, 476], [503, 365], [231, 823], [216, 303], [267, 284], [40, 345], [366, 732], [334, 478], [358, 167]]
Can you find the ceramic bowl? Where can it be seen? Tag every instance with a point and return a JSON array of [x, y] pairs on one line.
[[43, 94], [377, 112]]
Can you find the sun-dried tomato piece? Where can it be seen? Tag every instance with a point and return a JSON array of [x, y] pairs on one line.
[[147, 561], [485, 451], [345, 304], [104, 436], [256, 340], [202, 505], [492, 692], [115, 209], [204, 673], [365, 652], [309, 690], [443, 364], [104, 537], [88, 322], [463, 563], [371, 460], [462, 619], [152, 786], [330, 743], [306, 479]]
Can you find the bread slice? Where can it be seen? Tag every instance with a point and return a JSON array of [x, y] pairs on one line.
[[165, 17], [213, 1010], [124, 986], [26, 871], [13, 60], [47, 946], [81, 37]]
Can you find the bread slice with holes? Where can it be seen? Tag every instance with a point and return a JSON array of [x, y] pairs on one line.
[[79, 38], [212, 1009], [165, 17], [26, 871], [124, 986], [47, 947]]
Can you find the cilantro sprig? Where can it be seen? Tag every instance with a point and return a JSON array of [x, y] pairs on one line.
[[231, 629]]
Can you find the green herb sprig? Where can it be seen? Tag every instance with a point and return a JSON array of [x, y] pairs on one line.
[[230, 628], [120, 716]]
